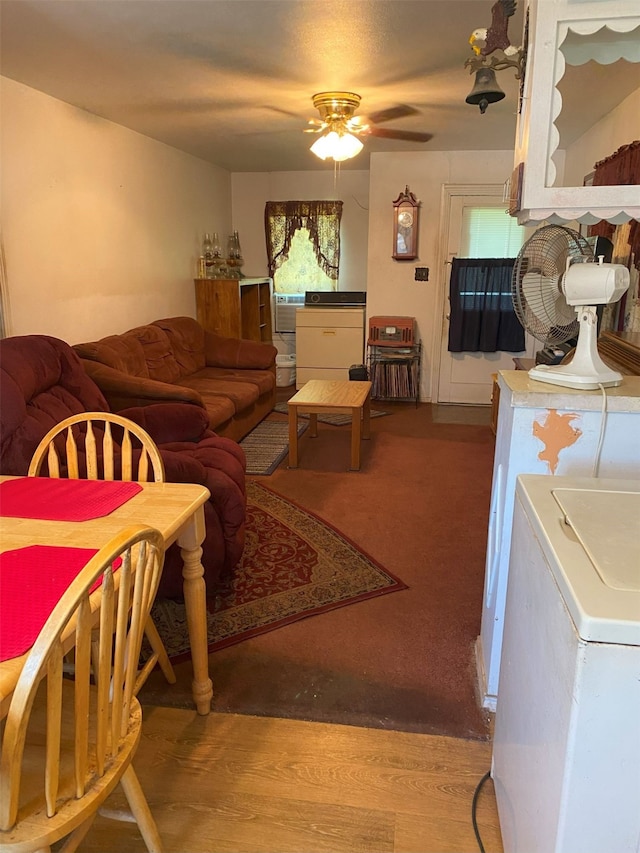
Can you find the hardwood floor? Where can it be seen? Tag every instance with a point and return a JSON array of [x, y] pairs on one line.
[[232, 783], [237, 783]]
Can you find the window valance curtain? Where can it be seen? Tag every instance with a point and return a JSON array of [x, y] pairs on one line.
[[482, 318], [622, 168], [320, 218]]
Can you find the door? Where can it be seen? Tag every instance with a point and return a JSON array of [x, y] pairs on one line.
[[466, 377]]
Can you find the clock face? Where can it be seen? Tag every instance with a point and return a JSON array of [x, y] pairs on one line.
[[405, 218]]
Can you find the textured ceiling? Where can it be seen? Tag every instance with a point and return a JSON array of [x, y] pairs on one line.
[[231, 81]]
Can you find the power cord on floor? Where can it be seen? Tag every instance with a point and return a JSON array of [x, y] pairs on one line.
[[474, 804]]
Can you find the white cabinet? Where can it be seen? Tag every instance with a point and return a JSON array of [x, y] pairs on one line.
[[546, 430], [569, 33], [328, 342]]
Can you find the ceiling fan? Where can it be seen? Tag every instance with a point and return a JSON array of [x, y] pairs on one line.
[[337, 115]]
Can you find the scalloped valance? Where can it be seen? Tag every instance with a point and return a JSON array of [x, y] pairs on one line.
[[622, 168]]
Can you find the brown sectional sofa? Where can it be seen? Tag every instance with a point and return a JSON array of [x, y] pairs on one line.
[[177, 360]]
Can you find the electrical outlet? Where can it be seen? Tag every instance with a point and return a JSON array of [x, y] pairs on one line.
[[422, 274]]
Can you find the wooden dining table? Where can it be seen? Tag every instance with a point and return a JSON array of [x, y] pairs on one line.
[[177, 511]]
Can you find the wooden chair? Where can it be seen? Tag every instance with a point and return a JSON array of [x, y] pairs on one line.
[[87, 453], [68, 742]]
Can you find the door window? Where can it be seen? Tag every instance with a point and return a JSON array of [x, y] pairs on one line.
[[489, 232]]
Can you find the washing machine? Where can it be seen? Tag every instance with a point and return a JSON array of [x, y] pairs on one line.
[[566, 749]]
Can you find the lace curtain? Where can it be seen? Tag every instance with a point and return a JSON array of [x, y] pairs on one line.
[[321, 218]]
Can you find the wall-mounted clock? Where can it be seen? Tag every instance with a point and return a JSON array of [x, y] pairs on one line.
[[406, 209]]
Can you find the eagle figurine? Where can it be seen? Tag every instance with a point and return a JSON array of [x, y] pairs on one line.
[[484, 41]]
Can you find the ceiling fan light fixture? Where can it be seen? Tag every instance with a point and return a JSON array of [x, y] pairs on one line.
[[338, 146], [347, 147], [323, 145], [341, 130]]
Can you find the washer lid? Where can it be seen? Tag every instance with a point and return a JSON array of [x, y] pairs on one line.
[[596, 560], [588, 530], [607, 525]]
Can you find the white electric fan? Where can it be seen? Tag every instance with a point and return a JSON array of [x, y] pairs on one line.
[[556, 285]]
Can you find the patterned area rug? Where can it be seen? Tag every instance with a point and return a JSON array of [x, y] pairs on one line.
[[294, 566], [336, 418], [266, 446]]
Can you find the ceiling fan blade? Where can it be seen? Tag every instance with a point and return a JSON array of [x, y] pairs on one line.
[[407, 135], [281, 111], [391, 113]]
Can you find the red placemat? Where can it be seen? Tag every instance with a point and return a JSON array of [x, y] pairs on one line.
[[51, 499], [32, 580]]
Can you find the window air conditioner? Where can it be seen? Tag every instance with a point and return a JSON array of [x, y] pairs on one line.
[[285, 310]]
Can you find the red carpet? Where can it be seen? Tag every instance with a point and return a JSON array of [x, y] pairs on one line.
[[420, 508], [294, 566]]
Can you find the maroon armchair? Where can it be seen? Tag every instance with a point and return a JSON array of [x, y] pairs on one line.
[[42, 381]]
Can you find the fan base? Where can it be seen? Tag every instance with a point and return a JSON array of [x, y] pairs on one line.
[[565, 375]]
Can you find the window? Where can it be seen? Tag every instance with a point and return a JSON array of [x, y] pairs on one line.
[[482, 318], [303, 244], [301, 267], [489, 232]]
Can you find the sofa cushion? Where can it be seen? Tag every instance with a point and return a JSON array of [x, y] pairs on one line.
[[144, 351], [220, 409], [193, 347], [186, 339], [241, 394], [238, 354], [263, 379]]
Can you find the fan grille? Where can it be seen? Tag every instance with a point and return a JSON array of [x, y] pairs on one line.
[[536, 285]]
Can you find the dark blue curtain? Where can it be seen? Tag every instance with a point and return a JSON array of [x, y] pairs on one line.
[[482, 318]]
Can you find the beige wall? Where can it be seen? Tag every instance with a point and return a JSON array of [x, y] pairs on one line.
[[101, 226], [252, 189], [392, 288]]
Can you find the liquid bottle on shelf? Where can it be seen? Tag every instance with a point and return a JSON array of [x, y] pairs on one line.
[[236, 242], [234, 255], [207, 253]]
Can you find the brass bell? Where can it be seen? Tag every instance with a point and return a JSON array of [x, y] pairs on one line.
[[486, 90]]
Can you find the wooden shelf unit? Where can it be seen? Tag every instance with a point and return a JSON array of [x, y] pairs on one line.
[[235, 308]]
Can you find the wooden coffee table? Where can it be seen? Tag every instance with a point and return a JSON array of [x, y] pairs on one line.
[[329, 395]]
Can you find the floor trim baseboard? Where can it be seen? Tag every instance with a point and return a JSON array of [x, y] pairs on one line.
[[488, 701]]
